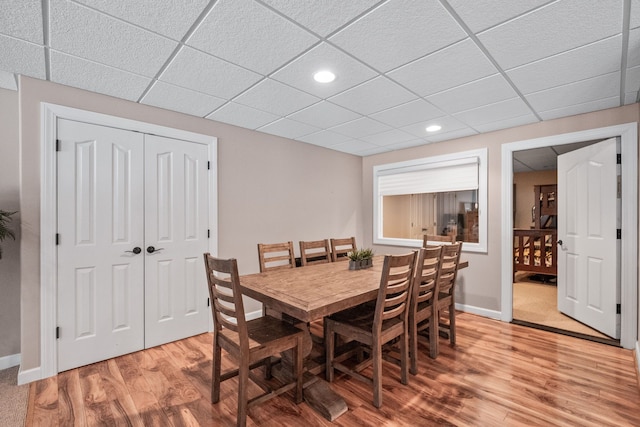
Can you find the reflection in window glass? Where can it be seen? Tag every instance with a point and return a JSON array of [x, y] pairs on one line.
[[451, 213]]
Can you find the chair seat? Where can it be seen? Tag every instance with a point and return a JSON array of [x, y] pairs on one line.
[[361, 318], [263, 330]]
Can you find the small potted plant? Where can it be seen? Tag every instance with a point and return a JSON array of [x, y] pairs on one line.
[[5, 231], [360, 259]]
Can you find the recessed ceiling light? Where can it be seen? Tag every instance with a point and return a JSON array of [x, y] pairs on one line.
[[433, 128], [324, 76]]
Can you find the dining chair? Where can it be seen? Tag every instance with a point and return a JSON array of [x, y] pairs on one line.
[[341, 247], [275, 256], [438, 239], [315, 252], [446, 289], [423, 308], [374, 328], [250, 343]]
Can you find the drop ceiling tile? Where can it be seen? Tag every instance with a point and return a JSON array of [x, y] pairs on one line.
[[22, 57], [348, 71], [586, 107], [406, 114], [8, 81], [482, 14], [631, 98], [106, 40], [537, 159], [248, 34], [373, 96], [205, 73], [568, 67], [354, 146], [83, 74], [399, 32], [22, 19], [360, 128], [555, 28], [373, 151], [322, 17], [510, 108], [580, 92], [508, 123], [324, 138], [241, 115], [632, 81], [288, 128], [448, 123], [389, 137], [167, 17], [408, 144], [324, 114], [455, 65], [635, 14], [179, 99], [471, 95], [276, 98], [461, 133], [633, 52]]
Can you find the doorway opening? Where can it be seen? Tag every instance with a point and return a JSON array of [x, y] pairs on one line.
[[629, 202]]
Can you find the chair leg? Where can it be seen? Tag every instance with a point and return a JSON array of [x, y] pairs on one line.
[[413, 352], [404, 358], [377, 374], [299, 370], [215, 372], [243, 384], [329, 344], [433, 336], [452, 324]]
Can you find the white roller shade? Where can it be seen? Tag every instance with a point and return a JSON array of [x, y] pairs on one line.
[[456, 175]]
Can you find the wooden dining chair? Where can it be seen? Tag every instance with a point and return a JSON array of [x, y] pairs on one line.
[[341, 247], [436, 239], [315, 252], [250, 343], [374, 328], [275, 256], [423, 309], [446, 289]]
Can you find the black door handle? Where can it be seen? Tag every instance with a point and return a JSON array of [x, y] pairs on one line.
[[560, 242], [135, 250], [151, 249]]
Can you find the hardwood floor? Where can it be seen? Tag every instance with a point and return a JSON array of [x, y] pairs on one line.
[[498, 374]]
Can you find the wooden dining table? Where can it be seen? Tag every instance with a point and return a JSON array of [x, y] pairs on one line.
[[310, 293]]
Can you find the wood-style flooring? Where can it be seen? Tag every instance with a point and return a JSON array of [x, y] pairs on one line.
[[498, 374]]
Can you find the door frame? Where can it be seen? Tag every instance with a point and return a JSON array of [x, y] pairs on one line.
[[628, 134], [49, 113]]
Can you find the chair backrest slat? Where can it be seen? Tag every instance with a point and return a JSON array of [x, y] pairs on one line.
[[425, 285], [276, 256], [437, 238], [315, 252], [395, 286], [226, 298], [341, 247], [449, 268]]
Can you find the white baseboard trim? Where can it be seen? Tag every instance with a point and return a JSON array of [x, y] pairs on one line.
[[29, 376], [492, 314], [253, 315], [9, 361]]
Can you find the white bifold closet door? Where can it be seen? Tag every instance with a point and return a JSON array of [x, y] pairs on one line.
[[132, 227]]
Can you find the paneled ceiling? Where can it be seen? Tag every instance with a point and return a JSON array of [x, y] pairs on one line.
[[400, 65]]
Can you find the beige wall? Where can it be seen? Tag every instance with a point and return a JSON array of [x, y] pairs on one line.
[[270, 189], [524, 194], [480, 284], [10, 201]]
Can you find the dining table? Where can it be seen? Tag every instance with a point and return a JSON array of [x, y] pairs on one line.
[[310, 293]]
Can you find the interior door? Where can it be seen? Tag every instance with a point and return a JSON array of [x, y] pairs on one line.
[[588, 267], [176, 226], [100, 222]]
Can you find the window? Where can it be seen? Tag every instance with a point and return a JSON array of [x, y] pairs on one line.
[[445, 195]]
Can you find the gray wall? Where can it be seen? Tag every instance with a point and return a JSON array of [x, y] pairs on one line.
[[270, 189], [9, 201]]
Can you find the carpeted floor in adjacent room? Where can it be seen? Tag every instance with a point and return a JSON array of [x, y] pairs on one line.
[[13, 399]]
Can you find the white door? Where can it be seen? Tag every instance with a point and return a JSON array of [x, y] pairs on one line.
[[588, 273], [100, 222], [176, 225], [120, 193]]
